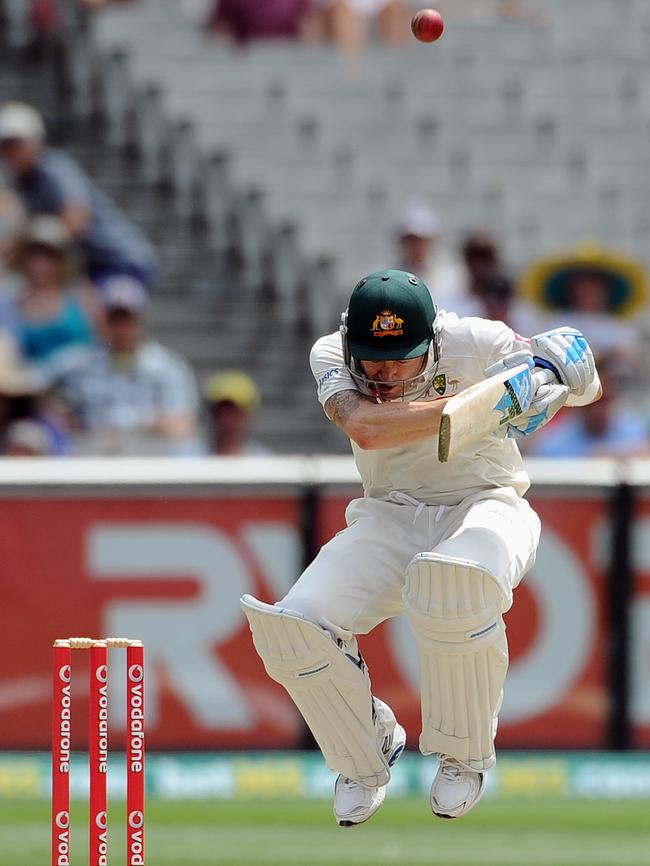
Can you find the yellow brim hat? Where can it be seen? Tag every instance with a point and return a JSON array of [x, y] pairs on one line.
[[547, 281]]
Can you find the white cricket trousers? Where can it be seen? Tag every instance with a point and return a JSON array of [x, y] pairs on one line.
[[356, 580]]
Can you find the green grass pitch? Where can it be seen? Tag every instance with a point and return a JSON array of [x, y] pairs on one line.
[[404, 833]]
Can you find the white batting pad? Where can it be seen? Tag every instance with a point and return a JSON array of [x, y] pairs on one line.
[[454, 607], [331, 691]]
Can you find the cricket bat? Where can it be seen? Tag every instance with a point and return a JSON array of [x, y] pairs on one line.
[[483, 408]]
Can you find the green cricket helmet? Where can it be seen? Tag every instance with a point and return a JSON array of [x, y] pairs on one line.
[[390, 318]]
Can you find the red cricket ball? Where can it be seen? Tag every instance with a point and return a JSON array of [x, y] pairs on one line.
[[427, 25]]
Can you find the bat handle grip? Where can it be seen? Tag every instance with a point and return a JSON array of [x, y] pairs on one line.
[[544, 377]]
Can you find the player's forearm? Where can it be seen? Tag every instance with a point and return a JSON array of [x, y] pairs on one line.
[[375, 426], [389, 425]]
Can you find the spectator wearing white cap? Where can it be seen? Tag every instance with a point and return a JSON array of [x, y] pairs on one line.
[[423, 253], [134, 396], [232, 400], [51, 182]]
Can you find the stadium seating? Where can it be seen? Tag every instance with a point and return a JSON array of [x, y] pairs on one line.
[[298, 161], [468, 122]]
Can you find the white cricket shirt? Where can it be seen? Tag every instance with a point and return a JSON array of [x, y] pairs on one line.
[[467, 347]]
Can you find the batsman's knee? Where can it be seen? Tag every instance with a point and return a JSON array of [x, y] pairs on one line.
[[315, 612], [453, 601]]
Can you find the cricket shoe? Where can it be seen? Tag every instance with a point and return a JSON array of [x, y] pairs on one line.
[[354, 803], [456, 789]]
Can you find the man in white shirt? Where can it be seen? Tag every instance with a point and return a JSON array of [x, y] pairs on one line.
[[134, 396], [422, 251], [445, 543]]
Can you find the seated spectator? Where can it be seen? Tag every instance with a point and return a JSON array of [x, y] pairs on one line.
[[482, 257], [596, 290], [232, 399], [492, 297], [51, 182], [489, 292], [346, 22], [247, 20], [482, 263], [134, 396], [422, 252], [606, 428], [58, 318], [23, 400], [343, 22]]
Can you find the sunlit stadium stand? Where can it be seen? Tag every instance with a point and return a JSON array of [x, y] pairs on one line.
[[296, 162], [529, 142]]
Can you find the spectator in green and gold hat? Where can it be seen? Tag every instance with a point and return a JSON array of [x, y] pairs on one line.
[[600, 291]]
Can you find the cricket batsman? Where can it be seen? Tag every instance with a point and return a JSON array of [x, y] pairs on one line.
[[445, 543]]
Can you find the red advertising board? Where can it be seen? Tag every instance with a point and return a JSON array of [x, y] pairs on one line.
[[169, 572], [640, 673], [555, 692]]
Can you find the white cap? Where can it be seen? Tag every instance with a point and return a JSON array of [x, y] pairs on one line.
[[19, 120], [419, 219], [122, 292]]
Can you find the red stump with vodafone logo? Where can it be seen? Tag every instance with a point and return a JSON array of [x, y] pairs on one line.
[[135, 792], [97, 749], [61, 731], [98, 754]]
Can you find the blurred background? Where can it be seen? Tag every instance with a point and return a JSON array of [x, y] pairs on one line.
[[189, 190]]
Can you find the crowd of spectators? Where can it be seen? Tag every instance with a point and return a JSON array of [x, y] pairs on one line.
[[50, 182], [346, 23], [343, 22], [349, 24], [603, 293], [79, 373]]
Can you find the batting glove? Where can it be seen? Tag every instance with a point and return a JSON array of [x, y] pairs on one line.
[[547, 401], [566, 352]]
